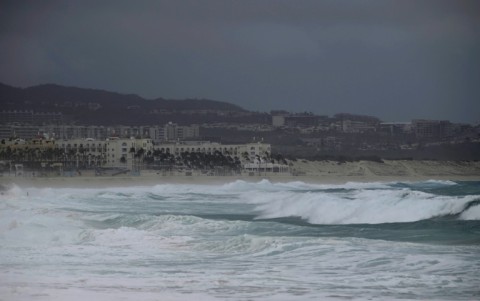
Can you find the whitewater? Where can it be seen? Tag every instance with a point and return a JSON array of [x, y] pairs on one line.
[[242, 241]]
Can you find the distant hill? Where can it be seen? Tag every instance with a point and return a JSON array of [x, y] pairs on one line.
[[90, 106]]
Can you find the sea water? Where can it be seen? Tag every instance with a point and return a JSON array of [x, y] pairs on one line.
[[242, 241]]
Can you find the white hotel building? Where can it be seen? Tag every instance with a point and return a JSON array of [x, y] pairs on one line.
[[242, 151], [112, 150], [125, 148]]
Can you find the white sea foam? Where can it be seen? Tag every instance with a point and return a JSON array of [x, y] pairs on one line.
[[266, 186], [472, 213], [441, 182], [361, 206], [198, 242]]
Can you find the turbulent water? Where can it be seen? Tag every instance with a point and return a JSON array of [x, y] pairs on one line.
[[242, 241]]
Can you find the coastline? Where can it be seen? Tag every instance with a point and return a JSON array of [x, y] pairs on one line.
[[313, 172]]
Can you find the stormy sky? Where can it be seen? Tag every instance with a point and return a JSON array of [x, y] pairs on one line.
[[397, 60]]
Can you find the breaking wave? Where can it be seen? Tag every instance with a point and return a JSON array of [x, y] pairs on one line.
[[366, 206]]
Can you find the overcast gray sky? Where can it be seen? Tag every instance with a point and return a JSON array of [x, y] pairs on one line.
[[397, 60]]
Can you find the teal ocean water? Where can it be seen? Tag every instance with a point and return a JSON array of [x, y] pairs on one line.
[[242, 241]]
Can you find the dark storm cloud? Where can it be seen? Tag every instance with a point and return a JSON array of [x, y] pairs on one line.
[[394, 59]]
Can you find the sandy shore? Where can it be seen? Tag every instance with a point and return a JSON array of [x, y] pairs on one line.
[[327, 172], [391, 170]]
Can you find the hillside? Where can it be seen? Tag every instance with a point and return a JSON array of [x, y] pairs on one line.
[[90, 106]]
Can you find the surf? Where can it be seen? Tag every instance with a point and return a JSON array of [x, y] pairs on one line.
[[241, 240]]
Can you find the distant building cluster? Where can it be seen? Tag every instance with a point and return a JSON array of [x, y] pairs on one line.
[[360, 124], [295, 120], [31, 117], [307, 122], [30, 124], [288, 132], [168, 132]]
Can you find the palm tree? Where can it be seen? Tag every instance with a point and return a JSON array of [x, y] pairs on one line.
[[245, 156], [70, 156], [140, 154]]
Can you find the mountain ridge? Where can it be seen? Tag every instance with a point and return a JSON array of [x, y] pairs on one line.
[[96, 106]]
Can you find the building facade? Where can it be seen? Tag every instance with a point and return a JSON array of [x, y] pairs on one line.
[[112, 152], [41, 144], [168, 132], [30, 117], [246, 152], [121, 152], [432, 128]]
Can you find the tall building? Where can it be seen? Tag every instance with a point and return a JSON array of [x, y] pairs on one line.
[[432, 128], [351, 123], [173, 132]]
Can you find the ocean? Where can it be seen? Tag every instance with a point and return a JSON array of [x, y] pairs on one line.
[[242, 241]]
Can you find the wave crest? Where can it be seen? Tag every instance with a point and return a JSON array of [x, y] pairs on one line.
[[364, 206]]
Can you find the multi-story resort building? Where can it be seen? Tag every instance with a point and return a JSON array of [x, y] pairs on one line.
[[246, 152], [113, 149], [432, 128], [111, 152], [128, 152], [124, 151]]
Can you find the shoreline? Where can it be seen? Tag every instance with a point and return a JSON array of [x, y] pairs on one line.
[[133, 181], [312, 172]]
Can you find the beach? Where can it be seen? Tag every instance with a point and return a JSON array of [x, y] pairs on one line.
[[327, 172]]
